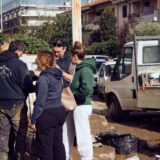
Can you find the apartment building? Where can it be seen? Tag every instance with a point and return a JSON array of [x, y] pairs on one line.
[[126, 11], [30, 12]]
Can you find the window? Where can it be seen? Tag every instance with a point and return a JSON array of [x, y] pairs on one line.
[[101, 72], [109, 69], [124, 66], [124, 11], [113, 11], [151, 54]]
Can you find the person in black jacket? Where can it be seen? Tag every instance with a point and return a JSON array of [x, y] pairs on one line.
[[63, 61], [15, 84], [49, 114]]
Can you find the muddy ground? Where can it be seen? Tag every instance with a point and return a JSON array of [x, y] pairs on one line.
[[145, 126]]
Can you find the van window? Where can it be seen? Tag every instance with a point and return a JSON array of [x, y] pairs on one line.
[[109, 69], [101, 72], [151, 54], [124, 66]]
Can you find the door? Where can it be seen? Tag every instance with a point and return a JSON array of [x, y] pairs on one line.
[[100, 79], [122, 78], [149, 76]]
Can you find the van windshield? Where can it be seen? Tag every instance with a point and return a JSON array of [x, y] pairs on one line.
[[151, 54]]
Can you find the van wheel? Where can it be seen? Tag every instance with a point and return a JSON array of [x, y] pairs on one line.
[[115, 109]]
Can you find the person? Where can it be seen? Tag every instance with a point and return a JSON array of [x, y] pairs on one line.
[[110, 59], [49, 114], [63, 61], [15, 84], [4, 46], [77, 121]]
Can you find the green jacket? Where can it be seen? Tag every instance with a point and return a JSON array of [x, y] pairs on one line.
[[82, 83]]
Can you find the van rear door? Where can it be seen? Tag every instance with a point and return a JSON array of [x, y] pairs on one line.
[[148, 64]]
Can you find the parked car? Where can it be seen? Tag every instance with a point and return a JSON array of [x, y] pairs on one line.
[[105, 71], [97, 57], [98, 64]]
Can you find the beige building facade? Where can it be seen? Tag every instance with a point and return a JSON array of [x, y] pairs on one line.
[[126, 12]]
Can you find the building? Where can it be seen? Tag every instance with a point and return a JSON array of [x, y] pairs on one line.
[[30, 12], [126, 12], [91, 18], [136, 10]]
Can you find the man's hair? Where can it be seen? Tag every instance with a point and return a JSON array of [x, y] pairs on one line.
[[17, 45], [45, 59], [59, 43]]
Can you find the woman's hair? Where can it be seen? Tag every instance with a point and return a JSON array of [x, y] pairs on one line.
[[77, 49], [45, 59]]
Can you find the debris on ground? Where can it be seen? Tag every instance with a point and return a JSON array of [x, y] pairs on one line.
[[124, 143], [133, 158]]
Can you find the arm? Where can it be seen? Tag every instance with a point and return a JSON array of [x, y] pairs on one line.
[[25, 79], [67, 77], [34, 75], [41, 94], [86, 84]]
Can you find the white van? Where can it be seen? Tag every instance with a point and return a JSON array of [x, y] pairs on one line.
[[134, 83]]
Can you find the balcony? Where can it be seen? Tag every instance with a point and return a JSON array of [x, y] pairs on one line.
[[149, 14]]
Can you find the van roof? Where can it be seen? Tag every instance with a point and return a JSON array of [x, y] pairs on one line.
[[142, 42]]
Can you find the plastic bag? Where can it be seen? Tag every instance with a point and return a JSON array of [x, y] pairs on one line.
[[124, 143]]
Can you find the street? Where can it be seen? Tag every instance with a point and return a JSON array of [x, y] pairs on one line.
[[144, 126]]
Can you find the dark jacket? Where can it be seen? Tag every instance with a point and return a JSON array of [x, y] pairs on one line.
[[48, 92], [82, 83], [64, 62], [15, 79]]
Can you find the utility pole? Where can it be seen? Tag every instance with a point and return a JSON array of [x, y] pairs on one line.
[[76, 21], [1, 29]]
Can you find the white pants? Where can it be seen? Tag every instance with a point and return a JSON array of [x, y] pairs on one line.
[[77, 124]]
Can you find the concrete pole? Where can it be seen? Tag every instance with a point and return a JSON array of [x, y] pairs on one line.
[[76, 21], [1, 18]]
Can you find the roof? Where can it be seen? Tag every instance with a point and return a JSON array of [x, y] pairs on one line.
[[109, 62], [95, 3]]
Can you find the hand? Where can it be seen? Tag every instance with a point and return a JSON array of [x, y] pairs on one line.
[[57, 66], [37, 73], [33, 127]]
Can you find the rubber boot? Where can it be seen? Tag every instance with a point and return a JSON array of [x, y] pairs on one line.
[[3, 156]]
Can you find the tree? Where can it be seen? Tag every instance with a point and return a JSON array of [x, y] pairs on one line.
[[144, 29], [1, 37], [45, 31], [109, 48], [33, 44], [62, 28], [108, 26], [105, 39]]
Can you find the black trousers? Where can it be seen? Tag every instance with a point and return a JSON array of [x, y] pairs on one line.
[[49, 134]]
